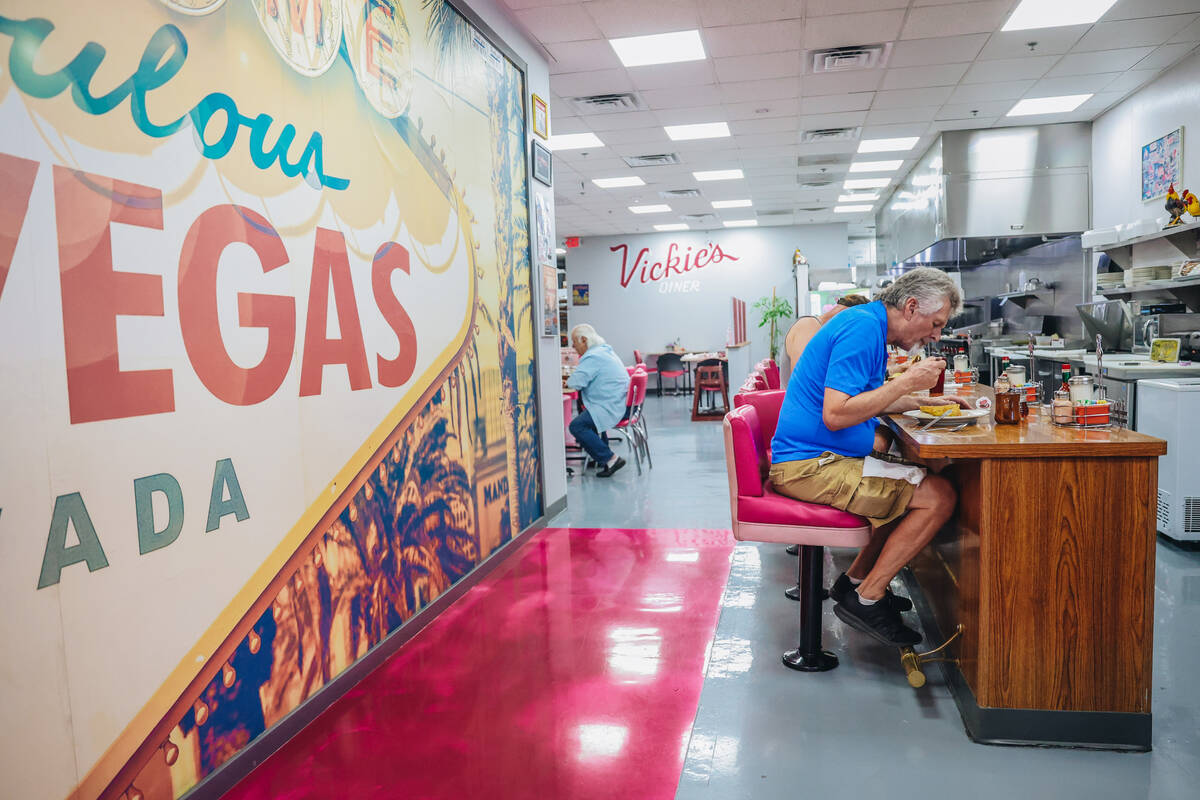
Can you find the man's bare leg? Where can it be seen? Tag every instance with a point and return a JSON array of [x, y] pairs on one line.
[[931, 505], [870, 552]]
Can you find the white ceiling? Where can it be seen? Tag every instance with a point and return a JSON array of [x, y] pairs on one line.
[[950, 67]]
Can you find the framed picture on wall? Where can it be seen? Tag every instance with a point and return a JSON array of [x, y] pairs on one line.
[[541, 117], [579, 294], [542, 164], [549, 300], [1162, 165]]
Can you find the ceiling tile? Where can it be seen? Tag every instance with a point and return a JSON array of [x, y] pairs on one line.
[[977, 111], [845, 119], [821, 8], [1131, 79], [1101, 101], [1072, 84], [1099, 61], [1133, 9], [1047, 41], [662, 76], [982, 92], [892, 116], [756, 109], [723, 12], [744, 127], [617, 18], [640, 135], [943, 50], [693, 115], [899, 98], [1189, 34], [567, 124], [763, 65], [628, 119], [1134, 32], [743, 40], [683, 97], [896, 131], [1165, 56], [1010, 69], [829, 104], [956, 19], [517, 5], [600, 81], [841, 82], [848, 29], [920, 77], [755, 140], [582, 56], [963, 124], [750, 91], [558, 23]]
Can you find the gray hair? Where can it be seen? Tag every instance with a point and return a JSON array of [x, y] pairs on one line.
[[585, 331], [931, 287]]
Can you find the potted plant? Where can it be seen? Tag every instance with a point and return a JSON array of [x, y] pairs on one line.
[[771, 311]]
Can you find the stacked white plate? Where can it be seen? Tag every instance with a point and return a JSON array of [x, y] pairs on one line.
[[1110, 280], [1140, 275]]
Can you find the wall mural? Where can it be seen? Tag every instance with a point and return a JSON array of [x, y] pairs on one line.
[[268, 362]]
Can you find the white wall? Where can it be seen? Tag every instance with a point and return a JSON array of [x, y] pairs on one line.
[[1171, 100], [554, 465], [649, 315]]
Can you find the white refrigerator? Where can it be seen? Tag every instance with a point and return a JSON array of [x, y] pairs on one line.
[[1169, 408]]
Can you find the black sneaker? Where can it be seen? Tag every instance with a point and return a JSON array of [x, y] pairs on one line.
[[878, 620], [610, 469], [843, 585]]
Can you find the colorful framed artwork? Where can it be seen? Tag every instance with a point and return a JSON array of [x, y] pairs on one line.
[[543, 165], [541, 117], [579, 294], [1162, 165]]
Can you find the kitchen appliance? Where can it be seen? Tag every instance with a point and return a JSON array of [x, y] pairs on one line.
[[1149, 327], [1169, 408], [1124, 399], [1109, 319]]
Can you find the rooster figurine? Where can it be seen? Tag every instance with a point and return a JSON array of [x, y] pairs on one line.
[[1174, 206], [1191, 204]]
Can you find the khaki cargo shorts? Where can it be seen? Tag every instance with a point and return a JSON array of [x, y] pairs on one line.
[[838, 481]]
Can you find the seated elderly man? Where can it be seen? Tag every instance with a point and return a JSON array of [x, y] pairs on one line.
[[822, 450], [603, 384]]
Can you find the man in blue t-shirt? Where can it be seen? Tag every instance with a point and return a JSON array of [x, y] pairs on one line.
[[827, 429]]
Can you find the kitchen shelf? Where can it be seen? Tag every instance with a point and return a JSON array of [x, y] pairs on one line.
[[1023, 298], [1184, 238], [1186, 289]]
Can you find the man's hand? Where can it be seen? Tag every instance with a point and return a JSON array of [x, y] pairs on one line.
[[923, 374], [944, 400]]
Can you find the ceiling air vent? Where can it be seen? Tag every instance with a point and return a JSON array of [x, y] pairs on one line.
[[672, 194], [696, 217], [812, 182], [776, 213], [814, 208], [608, 103], [653, 160], [818, 135], [843, 59]]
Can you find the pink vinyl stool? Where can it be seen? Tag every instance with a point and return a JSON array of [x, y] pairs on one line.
[[761, 515]]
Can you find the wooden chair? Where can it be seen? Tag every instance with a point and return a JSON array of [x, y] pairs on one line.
[[710, 380]]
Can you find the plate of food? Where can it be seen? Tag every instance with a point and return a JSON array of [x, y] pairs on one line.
[[950, 414]]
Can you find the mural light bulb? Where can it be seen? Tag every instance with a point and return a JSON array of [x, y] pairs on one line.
[[228, 676]]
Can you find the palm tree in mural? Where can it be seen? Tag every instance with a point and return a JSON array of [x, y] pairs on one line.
[[449, 36]]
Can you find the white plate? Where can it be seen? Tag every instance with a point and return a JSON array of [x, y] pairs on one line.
[[967, 415]]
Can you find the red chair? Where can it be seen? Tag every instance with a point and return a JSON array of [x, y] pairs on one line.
[[760, 514], [637, 359], [630, 428]]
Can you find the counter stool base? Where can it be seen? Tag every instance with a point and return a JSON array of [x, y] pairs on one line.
[[820, 661]]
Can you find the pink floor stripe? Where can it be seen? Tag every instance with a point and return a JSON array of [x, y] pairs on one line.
[[572, 671]]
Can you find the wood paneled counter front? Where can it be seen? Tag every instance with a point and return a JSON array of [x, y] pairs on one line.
[[1049, 566]]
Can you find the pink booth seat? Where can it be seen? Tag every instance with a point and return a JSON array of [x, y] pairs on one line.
[[769, 371], [760, 514]]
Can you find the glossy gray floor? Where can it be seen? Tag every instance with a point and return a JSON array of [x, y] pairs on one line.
[[763, 731]]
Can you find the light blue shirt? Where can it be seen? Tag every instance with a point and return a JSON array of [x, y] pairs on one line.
[[604, 383]]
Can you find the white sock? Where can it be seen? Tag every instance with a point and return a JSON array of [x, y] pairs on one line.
[[854, 581], [865, 601]]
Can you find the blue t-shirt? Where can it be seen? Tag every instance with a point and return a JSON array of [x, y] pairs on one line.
[[848, 354]]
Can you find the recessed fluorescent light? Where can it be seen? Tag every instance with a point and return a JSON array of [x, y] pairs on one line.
[[1047, 105], [866, 183], [731, 203], [887, 145], [574, 141], [718, 175], [703, 130], [560, 251], [660, 48], [875, 166], [672, 226], [741, 223], [658, 209], [1056, 13], [850, 209], [857, 198], [617, 183]]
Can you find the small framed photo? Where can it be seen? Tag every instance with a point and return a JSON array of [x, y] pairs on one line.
[[542, 164], [541, 117]]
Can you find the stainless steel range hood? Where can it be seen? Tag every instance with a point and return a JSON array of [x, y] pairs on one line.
[[976, 196]]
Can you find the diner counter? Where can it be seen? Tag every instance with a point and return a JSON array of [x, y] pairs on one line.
[[1048, 566]]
